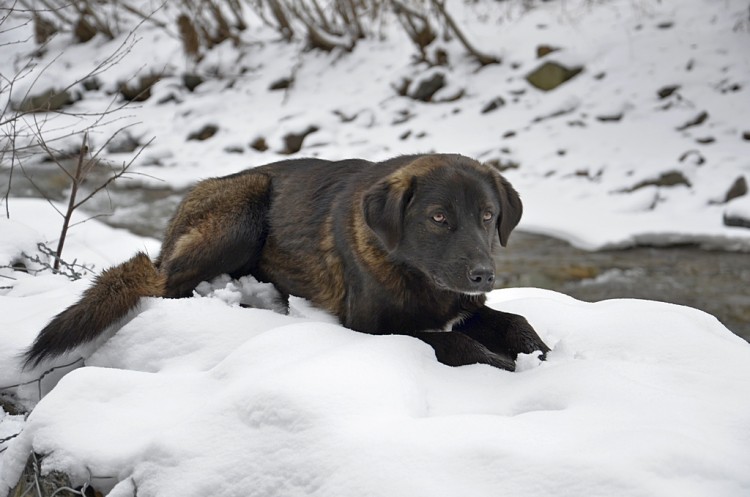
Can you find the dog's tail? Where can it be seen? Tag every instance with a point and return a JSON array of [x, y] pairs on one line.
[[114, 293]]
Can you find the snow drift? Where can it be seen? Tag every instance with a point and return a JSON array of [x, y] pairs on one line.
[[200, 396]]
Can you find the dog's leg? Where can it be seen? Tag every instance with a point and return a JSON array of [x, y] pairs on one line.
[[219, 228], [502, 332], [457, 349]]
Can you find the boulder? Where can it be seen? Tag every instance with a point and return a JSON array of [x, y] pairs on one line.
[[48, 100], [493, 104], [667, 179], [204, 133], [141, 90], [738, 189], [259, 144], [550, 75], [426, 88], [293, 141]]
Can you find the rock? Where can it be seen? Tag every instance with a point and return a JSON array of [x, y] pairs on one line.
[[668, 179], [543, 50], [738, 189], [667, 91], [191, 81], [550, 75], [57, 483], [84, 30], [440, 57], [737, 213], [694, 157], [43, 28], [92, 84], [140, 91], [402, 88], [427, 87], [746, 136], [696, 121], [204, 133], [494, 104], [736, 221], [281, 84], [46, 101], [259, 144], [610, 118], [293, 141], [706, 140], [123, 143]]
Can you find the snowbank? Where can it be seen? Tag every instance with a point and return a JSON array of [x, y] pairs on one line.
[[200, 396]]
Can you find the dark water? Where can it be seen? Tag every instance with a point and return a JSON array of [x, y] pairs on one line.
[[714, 281], [717, 282]]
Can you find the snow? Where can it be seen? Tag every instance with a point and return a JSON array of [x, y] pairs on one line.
[[201, 396]]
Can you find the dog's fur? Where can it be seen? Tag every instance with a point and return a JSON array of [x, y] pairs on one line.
[[402, 246]]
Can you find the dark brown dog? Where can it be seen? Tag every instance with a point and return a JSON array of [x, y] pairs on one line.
[[402, 246]]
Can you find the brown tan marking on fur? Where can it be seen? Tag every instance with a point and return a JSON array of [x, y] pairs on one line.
[[401, 178], [367, 246], [206, 209], [333, 289]]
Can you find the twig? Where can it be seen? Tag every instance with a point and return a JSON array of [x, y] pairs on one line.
[[483, 58], [80, 173]]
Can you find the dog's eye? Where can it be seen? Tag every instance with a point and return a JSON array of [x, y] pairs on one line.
[[487, 216], [439, 217]]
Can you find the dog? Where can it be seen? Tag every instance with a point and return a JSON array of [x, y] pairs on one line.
[[403, 246]]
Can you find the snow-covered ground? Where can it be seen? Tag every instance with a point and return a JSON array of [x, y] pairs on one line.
[[200, 396]]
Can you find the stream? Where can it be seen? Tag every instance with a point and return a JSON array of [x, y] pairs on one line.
[[711, 280]]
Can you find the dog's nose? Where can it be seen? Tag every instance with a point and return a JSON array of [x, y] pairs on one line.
[[482, 277]]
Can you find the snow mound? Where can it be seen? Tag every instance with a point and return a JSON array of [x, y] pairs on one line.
[[201, 396]]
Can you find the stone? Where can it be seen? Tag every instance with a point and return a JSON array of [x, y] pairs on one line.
[[609, 118], [281, 84], [140, 91], [544, 49], [427, 87], [46, 101], [123, 143], [667, 91], [44, 29], [191, 81], [84, 30], [738, 189], [667, 179], [696, 121], [736, 221], [550, 75], [204, 133], [293, 141], [493, 104], [259, 144]]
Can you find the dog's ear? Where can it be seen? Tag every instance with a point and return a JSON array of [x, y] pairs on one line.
[[511, 208], [384, 205]]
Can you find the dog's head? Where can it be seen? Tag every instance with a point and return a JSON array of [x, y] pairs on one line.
[[444, 215]]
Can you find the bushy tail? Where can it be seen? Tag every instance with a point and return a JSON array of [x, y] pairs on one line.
[[114, 293]]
